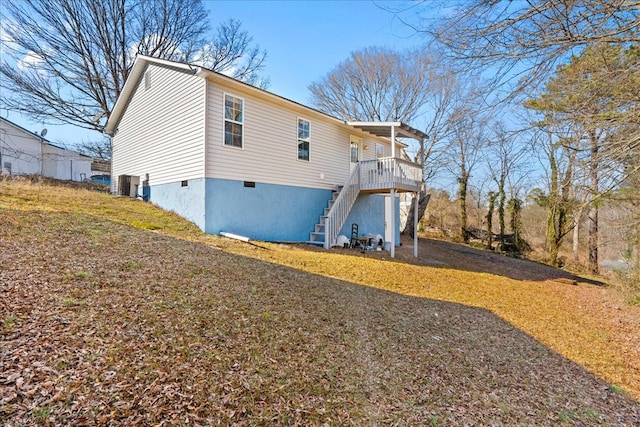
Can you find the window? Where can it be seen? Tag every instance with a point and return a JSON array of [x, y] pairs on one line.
[[147, 80], [233, 121], [355, 147], [303, 139], [379, 150]]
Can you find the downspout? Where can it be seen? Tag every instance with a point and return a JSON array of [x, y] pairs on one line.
[[205, 157], [41, 157]]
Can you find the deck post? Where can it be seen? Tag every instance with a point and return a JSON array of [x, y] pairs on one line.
[[415, 225], [393, 223], [393, 141]]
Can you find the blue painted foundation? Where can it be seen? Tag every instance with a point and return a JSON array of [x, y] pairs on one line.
[[368, 213], [277, 213], [187, 201]]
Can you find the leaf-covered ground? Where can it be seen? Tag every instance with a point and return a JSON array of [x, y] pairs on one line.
[[116, 313]]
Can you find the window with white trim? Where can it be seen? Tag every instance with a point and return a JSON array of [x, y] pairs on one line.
[[233, 121], [304, 137], [379, 150]]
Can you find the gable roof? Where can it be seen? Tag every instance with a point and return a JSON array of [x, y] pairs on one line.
[[28, 132], [141, 62], [40, 138]]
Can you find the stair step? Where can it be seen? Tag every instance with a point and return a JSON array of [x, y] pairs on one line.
[[317, 236]]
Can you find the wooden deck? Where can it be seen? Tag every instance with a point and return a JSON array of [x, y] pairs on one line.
[[384, 174]]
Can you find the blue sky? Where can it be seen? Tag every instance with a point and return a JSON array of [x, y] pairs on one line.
[[304, 40]]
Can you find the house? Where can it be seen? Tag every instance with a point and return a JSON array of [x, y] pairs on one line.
[[234, 158], [25, 153]]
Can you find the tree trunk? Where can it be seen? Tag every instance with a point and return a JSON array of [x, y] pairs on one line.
[[492, 201], [463, 181], [593, 239], [501, 205], [554, 218], [576, 239], [422, 207], [594, 189], [577, 216]]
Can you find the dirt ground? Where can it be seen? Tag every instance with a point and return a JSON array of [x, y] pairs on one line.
[[436, 253]]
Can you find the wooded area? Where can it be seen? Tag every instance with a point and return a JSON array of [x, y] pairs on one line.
[[529, 105]]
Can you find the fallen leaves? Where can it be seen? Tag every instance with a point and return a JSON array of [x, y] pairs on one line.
[[108, 324]]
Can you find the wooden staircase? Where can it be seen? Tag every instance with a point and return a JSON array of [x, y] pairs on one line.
[[369, 176]]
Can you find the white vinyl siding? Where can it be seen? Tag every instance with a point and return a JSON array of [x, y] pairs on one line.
[[267, 155], [162, 132]]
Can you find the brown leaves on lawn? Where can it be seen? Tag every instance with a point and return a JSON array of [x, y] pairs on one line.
[[104, 323]]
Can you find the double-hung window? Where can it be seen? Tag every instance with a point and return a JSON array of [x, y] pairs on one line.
[[233, 121], [303, 139]]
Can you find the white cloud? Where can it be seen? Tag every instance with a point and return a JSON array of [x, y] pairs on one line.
[[30, 61]]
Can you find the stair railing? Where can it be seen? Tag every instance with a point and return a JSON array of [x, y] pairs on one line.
[[340, 210]]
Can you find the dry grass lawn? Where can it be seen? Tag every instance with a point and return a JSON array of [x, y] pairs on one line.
[[116, 313]]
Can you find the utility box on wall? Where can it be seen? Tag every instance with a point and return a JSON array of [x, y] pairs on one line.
[[128, 185]]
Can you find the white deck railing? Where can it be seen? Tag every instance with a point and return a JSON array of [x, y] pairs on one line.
[[340, 210], [380, 174], [389, 172]]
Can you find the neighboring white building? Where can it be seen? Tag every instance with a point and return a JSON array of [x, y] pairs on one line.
[[26, 153], [235, 158]]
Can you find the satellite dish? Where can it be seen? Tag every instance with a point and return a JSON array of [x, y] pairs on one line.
[[43, 132]]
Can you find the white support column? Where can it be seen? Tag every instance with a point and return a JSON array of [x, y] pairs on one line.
[[416, 220], [415, 225], [393, 223], [393, 141]]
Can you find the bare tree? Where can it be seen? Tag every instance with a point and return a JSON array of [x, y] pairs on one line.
[[506, 157], [525, 40], [446, 102], [99, 148], [463, 152], [379, 84], [231, 51], [67, 60], [376, 84], [556, 198]]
